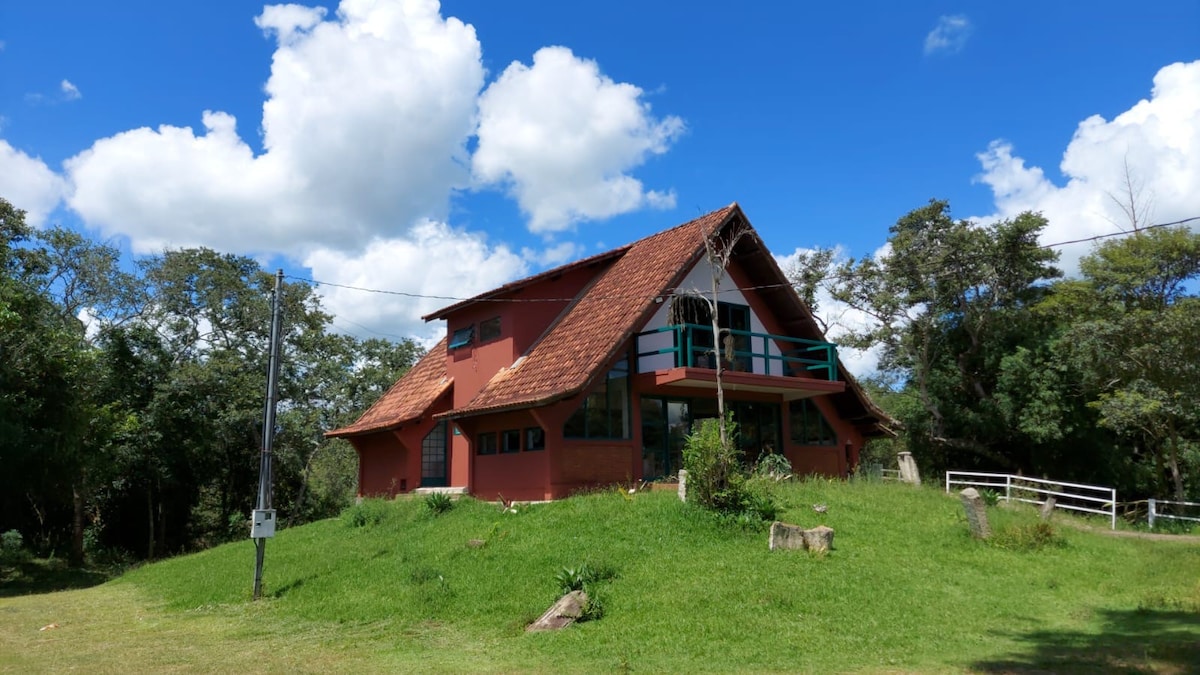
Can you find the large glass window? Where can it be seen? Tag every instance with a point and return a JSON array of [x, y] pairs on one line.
[[604, 413], [433, 457], [809, 426]]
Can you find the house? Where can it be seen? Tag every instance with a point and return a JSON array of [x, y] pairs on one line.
[[592, 373]]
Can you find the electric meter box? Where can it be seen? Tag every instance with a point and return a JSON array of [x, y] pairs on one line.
[[262, 523]]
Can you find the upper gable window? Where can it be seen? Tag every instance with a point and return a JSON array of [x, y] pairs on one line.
[[809, 426], [462, 337], [489, 330]]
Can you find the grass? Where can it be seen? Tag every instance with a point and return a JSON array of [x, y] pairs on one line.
[[390, 587]]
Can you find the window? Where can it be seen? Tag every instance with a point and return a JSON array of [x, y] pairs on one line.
[[462, 337], [535, 439], [486, 444], [489, 330], [604, 412], [510, 440], [809, 426]]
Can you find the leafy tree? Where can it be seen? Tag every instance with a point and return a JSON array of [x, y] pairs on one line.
[[951, 299]]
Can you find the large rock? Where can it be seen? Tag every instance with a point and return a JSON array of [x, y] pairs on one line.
[[561, 614], [793, 537], [976, 510], [908, 468]]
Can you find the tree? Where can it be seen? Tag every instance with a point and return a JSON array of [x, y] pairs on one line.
[[949, 300]]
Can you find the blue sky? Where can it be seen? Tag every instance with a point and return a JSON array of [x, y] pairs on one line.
[[444, 150]]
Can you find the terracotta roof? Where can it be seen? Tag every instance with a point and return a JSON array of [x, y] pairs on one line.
[[527, 281], [590, 331], [408, 399]]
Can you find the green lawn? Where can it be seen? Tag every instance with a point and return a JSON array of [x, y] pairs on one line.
[[904, 590]]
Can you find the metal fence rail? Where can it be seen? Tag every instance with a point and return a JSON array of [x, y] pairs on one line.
[[1067, 496], [1157, 512]]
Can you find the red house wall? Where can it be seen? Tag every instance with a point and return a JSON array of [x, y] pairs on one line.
[[383, 469]]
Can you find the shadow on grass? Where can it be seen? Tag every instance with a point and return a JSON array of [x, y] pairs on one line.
[[1132, 641], [36, 576]]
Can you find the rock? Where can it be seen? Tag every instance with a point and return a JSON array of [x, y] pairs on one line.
[[476, 543], [976, 510], [794, 537], [561, 614], [1047, 509], [819, 539], [784, 536]]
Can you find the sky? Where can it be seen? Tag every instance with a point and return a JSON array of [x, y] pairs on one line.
[[444, 149]]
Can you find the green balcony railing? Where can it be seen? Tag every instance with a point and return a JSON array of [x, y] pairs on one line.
[[693, 346]]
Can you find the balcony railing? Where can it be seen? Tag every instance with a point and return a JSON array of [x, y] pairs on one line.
[[692, 346]]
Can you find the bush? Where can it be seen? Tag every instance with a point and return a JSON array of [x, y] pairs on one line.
[[717, 481], [12, 547], [990, 496], [773, 465]]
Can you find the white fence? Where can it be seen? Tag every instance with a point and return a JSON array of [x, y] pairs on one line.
[[1068, 496], [1156, 510]]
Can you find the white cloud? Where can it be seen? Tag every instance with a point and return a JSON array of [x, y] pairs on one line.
[[949, 35], [563, 137], [1158, 140], [289, 21], [69, 91], [28, 184], [364, 129], [433, 260]]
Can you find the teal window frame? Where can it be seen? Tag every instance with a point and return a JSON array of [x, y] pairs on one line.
[[462, 337]]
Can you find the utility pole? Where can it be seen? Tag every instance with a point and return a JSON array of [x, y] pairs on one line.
[[262, 521]]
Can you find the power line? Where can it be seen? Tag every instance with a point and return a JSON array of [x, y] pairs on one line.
[[677, 291]]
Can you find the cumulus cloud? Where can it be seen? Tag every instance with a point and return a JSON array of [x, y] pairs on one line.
[[563, 137], [69, 91], [1151, 151], [364, 129], [27, 183], [949, 35], [465, 265]]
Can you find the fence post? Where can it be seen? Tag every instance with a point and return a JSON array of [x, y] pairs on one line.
[[1008, 488], [947, 482], [1151, 503], [1114, 508]]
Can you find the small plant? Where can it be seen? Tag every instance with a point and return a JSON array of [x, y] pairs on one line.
[[990, 496], [438, 503], [574, 578]]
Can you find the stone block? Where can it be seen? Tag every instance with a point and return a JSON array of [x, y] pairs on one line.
[[561, 614], [976, 510], [793, 537]]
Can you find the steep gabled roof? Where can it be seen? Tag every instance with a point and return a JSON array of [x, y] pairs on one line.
[[589, 332], [410, 398]]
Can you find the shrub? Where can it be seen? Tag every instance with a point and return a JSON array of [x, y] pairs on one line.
[[1028, 537], [717, 481], [990, 496], [438, 503], [12, 547]]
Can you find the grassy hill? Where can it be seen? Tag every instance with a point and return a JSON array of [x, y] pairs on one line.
[[392, 587]]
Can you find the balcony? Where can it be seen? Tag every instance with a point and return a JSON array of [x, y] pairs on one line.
[[685, 355]]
